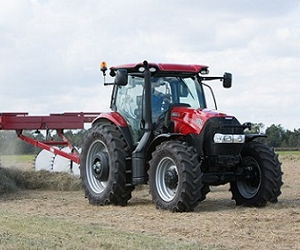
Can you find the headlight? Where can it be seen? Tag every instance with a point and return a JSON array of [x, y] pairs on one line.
[[238, 138], [141, 69], [226, 138]]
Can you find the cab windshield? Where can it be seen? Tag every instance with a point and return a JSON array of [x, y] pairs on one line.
[[179, 90]]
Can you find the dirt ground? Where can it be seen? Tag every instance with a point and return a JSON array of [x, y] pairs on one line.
[[216, 224]]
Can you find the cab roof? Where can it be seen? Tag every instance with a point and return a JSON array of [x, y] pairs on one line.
[[164, 67]]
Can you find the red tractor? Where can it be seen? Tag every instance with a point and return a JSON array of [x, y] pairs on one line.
[[160, 132]]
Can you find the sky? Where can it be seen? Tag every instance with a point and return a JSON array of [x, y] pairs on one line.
[[50, 51]]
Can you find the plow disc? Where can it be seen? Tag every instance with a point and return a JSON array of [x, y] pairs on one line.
[[62, 164], [44, 161], [48, 161]]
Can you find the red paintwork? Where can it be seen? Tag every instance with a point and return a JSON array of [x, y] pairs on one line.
[[45, 145], [15, 121], [190, 68], [191, 121], [114, 117], [58, 122]]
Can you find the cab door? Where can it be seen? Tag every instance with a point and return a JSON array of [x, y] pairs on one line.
[[129, 103]]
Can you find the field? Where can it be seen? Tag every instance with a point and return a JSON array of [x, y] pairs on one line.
[[33, 219]]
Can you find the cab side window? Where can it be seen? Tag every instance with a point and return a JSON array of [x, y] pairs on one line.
[[129, 104]]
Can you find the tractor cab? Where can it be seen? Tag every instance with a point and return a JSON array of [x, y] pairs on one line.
[[166, 92], [172, 85]]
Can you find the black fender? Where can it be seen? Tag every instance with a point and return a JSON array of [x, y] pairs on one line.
[[161, 138], [125, 131], [251, 137]]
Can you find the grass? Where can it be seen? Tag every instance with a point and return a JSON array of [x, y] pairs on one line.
[[288, 152], [18, 161], [22, 157], [37, 227], [18, 158], [19, 231]]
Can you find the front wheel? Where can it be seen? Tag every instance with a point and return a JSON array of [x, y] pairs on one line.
[[175, 177], [261, 179]]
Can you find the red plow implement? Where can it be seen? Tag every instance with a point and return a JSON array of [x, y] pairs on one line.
[[54, 122]]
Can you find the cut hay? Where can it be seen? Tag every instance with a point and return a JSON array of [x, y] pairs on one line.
[[12, 180], [7, 181]]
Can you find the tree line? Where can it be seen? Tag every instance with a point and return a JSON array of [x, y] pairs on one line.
[[277, 137]]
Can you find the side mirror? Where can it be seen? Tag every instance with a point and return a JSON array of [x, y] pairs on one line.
[[121, 77], [227, 80]]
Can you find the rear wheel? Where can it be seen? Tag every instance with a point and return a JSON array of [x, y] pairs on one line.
[[103, 166], [262, 176], [204, 191], [175, 177]]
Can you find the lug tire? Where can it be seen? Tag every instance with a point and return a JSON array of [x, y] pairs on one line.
[[115, 191], [204, 191], [270, 176], [189, 185]]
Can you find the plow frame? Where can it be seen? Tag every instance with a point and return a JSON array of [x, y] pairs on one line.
[[57, 122]]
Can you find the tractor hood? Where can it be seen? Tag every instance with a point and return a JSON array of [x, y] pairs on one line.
[[191, 121]]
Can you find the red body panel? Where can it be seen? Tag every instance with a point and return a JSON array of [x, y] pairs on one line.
[[191, 68], [49, 146], [191, 121], [58, 122], [22, 121], [114, 117]]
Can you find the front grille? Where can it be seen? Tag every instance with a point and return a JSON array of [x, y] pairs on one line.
[[224, 126]]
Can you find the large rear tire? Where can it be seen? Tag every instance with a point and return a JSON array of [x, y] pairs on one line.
[[204, 191], [262, 178], [103, 166], [175, 177]]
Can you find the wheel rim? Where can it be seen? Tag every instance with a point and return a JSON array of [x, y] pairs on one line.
[[250, 185], [166, 179], [93, 162]]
